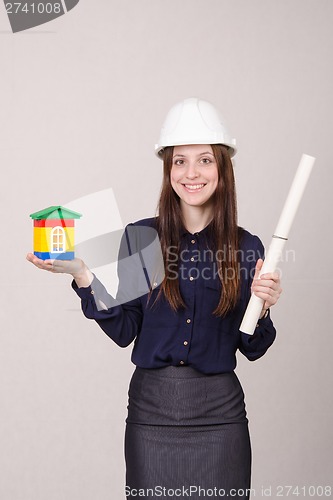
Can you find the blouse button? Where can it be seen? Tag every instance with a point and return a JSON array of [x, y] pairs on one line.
[[92, 292], [185, 342], [181, 362], [154, 284], [188, 320], [193, 241], [192, 259], [191, 278]]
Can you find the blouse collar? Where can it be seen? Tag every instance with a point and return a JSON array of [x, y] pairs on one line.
[[203, 231]]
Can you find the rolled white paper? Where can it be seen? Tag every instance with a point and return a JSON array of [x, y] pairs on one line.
[[279, 239]]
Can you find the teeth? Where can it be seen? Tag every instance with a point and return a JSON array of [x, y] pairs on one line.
[[195, 186]]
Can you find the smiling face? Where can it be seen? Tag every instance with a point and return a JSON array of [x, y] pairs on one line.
[[194, 174]]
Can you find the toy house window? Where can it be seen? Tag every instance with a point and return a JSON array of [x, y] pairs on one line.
[[58, 241]]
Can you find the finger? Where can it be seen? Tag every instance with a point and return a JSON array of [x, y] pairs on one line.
[[40, 263], [268, 294], [59, 266], [268, 299], [46, 267], [265, 289], [32, 258], [273, 292], [265, 283], [66, 266], [36, 261], [271, 276], [258, 267]]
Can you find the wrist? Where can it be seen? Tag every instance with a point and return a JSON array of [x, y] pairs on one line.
[[83, 277]]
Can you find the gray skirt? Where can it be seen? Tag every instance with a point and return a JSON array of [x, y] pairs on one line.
[[186, 435]]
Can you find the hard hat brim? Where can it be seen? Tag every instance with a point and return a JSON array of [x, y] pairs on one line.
[[159, 149]]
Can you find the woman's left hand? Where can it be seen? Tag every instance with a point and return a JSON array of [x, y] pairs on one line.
[[267, 287]]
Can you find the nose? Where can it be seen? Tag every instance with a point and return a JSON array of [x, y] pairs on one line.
[[192, 171]]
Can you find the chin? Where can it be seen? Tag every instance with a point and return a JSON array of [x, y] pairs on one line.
[[198, 203]]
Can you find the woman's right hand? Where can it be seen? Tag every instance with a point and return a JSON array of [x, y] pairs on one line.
[[76, 267]]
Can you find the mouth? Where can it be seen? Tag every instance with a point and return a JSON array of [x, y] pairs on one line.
[[193, 188]]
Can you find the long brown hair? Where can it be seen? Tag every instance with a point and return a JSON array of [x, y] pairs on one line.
[[224, 231]]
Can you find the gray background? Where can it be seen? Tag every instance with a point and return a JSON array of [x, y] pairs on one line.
[[82, 101]]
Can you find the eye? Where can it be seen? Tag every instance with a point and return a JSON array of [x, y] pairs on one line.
[[179, 162], [206, 160]]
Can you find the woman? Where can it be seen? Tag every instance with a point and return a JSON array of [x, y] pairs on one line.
[[186, 429]]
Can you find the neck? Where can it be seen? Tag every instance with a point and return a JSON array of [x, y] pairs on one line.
[[196, 218]]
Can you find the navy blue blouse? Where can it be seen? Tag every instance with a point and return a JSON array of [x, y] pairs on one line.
[[193, 335]]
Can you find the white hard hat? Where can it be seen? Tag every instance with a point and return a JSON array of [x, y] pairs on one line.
[[194, 121]]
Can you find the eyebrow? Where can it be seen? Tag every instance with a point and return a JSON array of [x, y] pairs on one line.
[[200, 154]]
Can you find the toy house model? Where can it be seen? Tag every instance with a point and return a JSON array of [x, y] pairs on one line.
[[54, 233]]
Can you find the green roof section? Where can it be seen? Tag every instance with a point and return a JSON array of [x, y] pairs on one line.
[[55, 212]]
